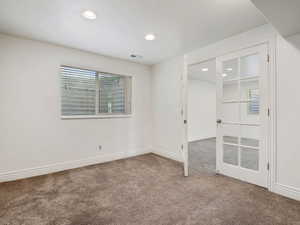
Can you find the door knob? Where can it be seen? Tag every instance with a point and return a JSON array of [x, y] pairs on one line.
[[219, 121]]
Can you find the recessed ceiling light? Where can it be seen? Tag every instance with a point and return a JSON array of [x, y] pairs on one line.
[[150, 37], [88, 14], [224, 75], [204, 69], [229, 69]]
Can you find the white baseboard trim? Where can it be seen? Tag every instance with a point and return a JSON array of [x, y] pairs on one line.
[[167, 154], [287, 191], [57, 167]]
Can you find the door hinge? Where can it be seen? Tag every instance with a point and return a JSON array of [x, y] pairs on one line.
[[268, 166], [268, 58], [268, 112], [182, 147]]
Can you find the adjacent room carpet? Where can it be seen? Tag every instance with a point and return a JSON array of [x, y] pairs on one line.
[[202, 155], [143, 190]]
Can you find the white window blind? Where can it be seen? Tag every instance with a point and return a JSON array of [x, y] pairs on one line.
[[112, 94], [87, 92]]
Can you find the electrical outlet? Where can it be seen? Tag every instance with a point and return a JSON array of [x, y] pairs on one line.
[[100, 147]]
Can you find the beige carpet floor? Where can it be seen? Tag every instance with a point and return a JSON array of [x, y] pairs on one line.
[[143, 190]]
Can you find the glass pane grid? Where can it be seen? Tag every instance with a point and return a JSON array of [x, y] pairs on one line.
[[249, 65], [249, 158], [241, 87], [231, 154]]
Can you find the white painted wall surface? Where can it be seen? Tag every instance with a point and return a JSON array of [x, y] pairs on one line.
[[234, 43], [288, 111], [166, 100], [201, 110], [32, 135]]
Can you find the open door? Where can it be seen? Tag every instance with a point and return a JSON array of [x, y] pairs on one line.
[[242, 114], [183, 108]]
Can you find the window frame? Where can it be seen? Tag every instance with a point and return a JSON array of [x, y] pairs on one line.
[[128, 101]]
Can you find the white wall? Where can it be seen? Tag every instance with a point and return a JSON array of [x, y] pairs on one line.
[[201, 110], [166, 100], [33, 138], [288, 111], [252, 37]]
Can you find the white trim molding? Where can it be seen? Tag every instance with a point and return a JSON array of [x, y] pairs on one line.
[[164, 152], [61, 166], [287, 191]]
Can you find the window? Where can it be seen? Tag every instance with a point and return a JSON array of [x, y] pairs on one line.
[[91, 93]]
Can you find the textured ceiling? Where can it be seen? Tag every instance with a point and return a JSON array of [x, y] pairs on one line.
[[121, 25], [284, 15]]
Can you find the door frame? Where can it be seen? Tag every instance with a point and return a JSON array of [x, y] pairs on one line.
[[270, 105]]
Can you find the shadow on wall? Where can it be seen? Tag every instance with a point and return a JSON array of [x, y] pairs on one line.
[[295, 41]]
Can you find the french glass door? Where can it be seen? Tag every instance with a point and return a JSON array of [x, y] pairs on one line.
[[242, 115]]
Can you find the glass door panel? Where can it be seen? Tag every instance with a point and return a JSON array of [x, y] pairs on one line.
[[249, 158], [231, 134], [249, 115], [249, 150], [230, 69], [230, 91], [230, 112], [249, 90], [231, 144], [231, 154], [250, 136], [250, 65]]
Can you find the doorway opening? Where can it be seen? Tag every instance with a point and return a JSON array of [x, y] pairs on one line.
[[201, 110], [227, 103]]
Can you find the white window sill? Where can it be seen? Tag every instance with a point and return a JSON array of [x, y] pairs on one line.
[[96, 117]]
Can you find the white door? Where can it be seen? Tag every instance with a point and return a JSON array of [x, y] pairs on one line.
[[242, 115]]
